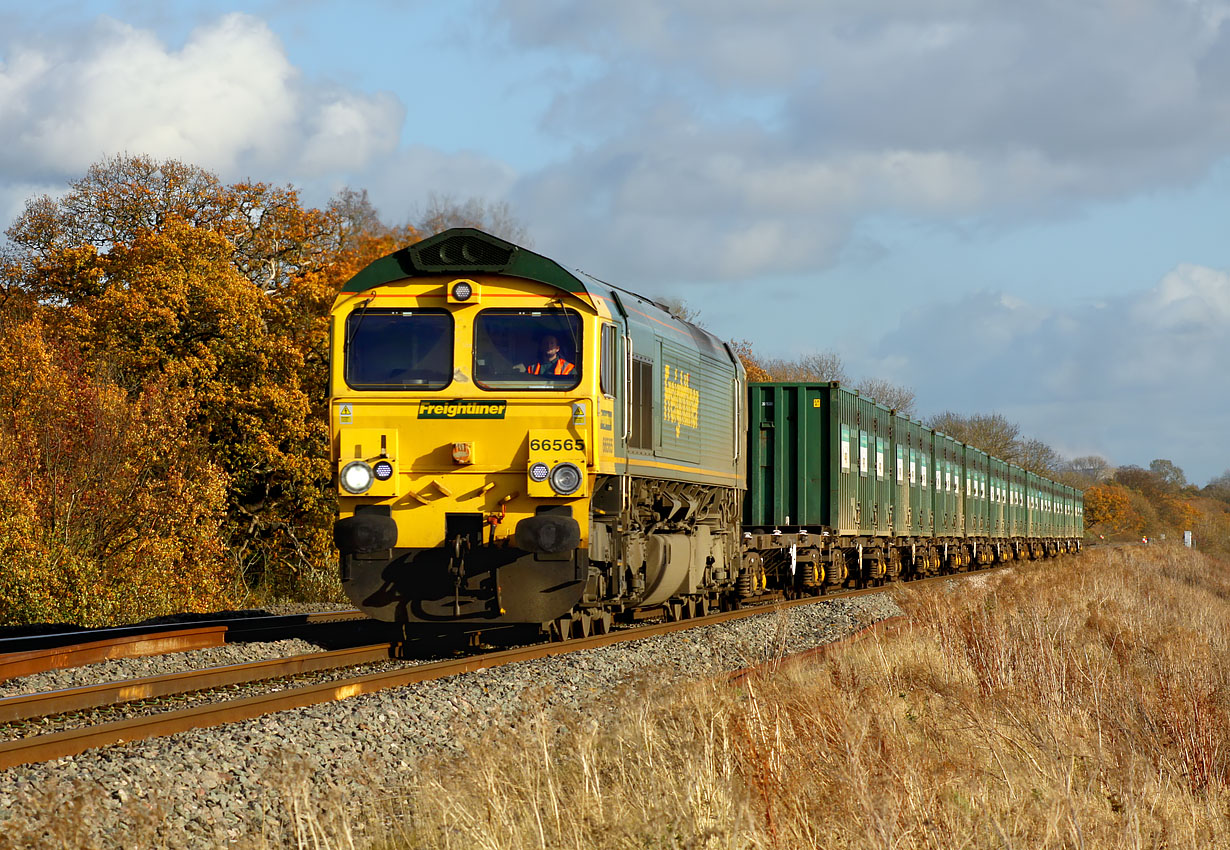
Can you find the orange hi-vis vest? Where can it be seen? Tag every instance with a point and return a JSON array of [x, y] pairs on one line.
[[562, 367]]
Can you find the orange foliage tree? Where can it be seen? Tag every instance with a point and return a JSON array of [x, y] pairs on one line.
[[107, 509], [162, 284], [751, 364], [1110, 506]]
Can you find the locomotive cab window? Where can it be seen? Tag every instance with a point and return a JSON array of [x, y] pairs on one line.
[[392, 349], [527, 349], [606, 377]]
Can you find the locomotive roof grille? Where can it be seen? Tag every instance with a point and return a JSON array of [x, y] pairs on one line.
[[461, 252]]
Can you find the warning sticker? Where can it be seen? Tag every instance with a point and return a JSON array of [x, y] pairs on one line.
[[345, 414]]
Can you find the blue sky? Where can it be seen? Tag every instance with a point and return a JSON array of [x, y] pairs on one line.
[[1036, 192]]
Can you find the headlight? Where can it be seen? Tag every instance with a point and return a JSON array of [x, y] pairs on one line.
[[539, 472], [356, 477], [566, 478], [462, 290], [383, 470]]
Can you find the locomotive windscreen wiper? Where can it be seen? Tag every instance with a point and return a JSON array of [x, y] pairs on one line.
[[354, 331]]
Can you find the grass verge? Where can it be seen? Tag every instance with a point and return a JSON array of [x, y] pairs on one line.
[[1079, 703]]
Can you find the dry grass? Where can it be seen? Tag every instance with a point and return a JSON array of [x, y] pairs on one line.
[[1082, 703]]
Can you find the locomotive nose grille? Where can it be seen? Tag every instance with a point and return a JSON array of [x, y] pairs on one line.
[[463, 252]]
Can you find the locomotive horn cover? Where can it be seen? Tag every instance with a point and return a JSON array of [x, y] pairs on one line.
[[547, 534]]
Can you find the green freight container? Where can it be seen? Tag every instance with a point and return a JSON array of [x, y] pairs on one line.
[[819, 459], [949, 456], [999, 498], [1067, 515], [926, 481], [1017, 504], [1034, 523], [977, 505], [1049, 513], [912, 501]]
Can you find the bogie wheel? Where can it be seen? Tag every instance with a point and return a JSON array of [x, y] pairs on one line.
[[561, 629], [582, 624], [602, 622]]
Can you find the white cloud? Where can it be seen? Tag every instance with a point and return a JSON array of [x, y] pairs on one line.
[[820, 114], [228, 100], [1134, 378], [1191, 300]]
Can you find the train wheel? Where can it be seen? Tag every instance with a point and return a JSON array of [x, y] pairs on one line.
[[602, 622], [894, 565], [560, 630]]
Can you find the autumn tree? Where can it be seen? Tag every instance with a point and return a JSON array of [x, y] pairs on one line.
[[1168, 474], [814, 366], [1219, 487], [1109, 506], [1144, 481], [157, 273], [899, 398], [1037, 456], [751, 363], [993, 433], [108, 509], [494, 217], [1089, 469], [680, 309]]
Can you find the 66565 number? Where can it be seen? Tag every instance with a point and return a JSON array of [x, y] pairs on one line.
[[558, 445]]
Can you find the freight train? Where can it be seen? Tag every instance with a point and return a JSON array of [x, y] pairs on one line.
[[516, 445]]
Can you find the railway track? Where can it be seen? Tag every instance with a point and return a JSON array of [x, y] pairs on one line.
[[31, 748], [25, 655]]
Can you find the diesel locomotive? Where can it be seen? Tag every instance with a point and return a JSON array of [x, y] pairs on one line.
[[514, 444]]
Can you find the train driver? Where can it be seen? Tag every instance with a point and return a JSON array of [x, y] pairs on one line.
[[549, 360]]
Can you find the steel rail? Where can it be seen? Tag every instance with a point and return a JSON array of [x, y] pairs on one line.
[[72, 742], [49, 653], [236, 622], [29, 706], [25, 663]]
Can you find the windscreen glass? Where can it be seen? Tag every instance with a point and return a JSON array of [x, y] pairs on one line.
[[527, 349], [394, 349]]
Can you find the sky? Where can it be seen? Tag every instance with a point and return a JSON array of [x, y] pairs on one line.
[[1015, 208]]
